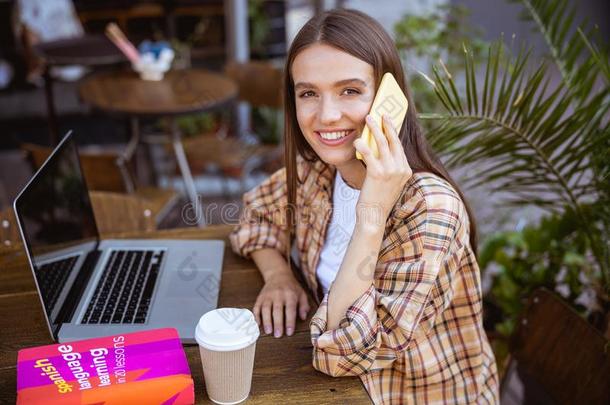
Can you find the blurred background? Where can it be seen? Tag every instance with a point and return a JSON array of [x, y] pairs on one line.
[[513, 94]]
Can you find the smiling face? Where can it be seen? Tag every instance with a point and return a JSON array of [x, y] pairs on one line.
[[334, 92]]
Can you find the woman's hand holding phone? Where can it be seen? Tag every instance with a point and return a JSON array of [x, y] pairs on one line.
[[386, 175]]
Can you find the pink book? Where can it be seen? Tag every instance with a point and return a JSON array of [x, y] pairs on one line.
[[147, 367]]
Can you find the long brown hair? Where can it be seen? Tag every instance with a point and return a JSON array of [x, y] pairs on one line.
[[363, 37]]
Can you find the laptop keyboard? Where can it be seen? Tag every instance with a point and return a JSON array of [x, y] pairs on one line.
[[52, 277], [125, 288]]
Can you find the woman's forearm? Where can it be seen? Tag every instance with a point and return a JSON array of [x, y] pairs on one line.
[[356, 273], [270, 262]]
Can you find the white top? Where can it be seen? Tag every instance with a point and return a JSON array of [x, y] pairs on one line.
[[339, 232]]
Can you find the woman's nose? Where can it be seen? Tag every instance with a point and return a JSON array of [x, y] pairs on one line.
[[329, 111]]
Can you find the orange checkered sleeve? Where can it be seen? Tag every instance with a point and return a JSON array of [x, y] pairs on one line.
[[263, 222]]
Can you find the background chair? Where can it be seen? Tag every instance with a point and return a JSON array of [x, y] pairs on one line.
[[260, 85], [39, 21], [116, 213], [109, 171], [560, 356], [9, 233]]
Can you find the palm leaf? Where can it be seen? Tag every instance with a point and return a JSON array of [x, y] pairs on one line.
[[536, 142], [555, 20], [600, 57]]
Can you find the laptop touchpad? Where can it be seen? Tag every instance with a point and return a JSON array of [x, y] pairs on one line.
[[192, 279]]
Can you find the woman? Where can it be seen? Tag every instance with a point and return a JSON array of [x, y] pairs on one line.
[[387, 245]]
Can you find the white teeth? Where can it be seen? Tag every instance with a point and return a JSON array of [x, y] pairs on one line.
[[334, 135]]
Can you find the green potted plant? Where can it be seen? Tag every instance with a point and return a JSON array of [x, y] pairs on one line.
[[547, 145]]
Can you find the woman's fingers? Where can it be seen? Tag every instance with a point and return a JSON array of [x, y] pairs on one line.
[[303, 305], [278, 318], [380, 138], [278, 310], [266, 315], [291, 314], [291, 311], [396, 148], [372, 163], [256, 310], [392, 135]]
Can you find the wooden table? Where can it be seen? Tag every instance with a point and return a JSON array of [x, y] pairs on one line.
[[180, 92], [283, 373]]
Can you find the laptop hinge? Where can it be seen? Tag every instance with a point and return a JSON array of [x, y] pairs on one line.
[[77, 290]]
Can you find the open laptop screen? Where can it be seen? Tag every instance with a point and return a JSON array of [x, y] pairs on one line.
[[55, 215]]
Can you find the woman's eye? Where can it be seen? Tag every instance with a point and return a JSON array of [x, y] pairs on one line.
[[307, 94], [350, 92]]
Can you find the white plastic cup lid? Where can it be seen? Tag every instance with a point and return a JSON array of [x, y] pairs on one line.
[[226, 329]]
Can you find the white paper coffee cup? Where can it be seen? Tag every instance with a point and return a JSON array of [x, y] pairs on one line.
[[227, 341]]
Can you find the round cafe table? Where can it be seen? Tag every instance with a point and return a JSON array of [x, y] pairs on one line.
[[180, 92]]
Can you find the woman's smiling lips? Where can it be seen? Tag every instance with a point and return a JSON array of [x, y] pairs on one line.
[[335, 137]]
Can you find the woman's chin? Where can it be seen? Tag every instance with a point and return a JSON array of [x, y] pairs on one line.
[[337, 157]]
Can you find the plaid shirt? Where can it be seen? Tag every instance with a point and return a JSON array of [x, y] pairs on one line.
[[416, 335]]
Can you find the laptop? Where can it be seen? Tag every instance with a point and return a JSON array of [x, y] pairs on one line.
[[91, 287]]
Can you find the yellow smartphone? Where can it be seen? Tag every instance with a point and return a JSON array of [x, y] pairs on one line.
[[389, 100]]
